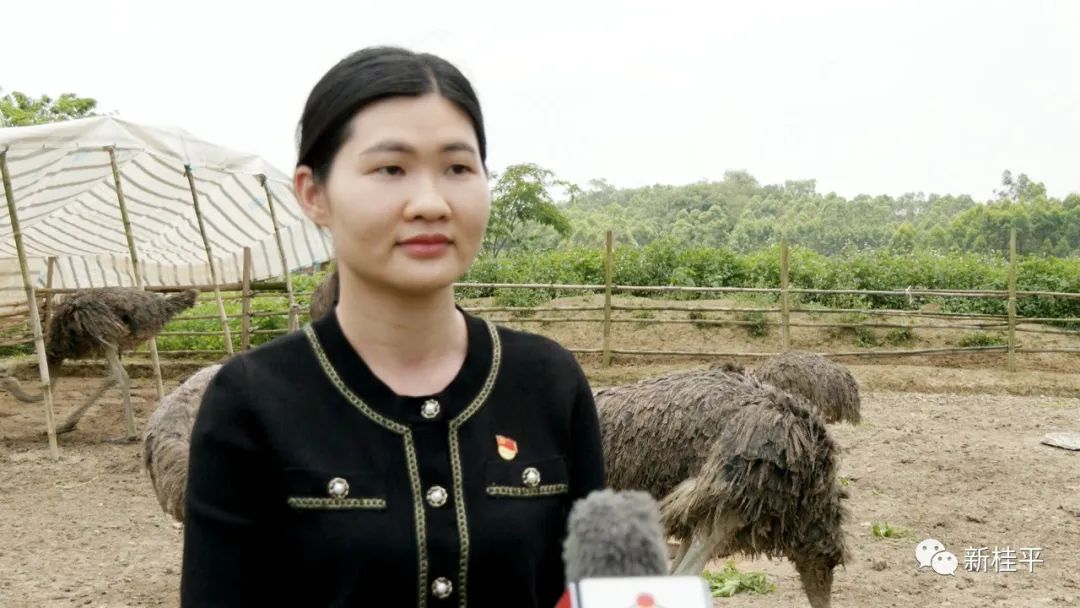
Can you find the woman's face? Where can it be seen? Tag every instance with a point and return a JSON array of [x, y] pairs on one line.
[[406, 199]]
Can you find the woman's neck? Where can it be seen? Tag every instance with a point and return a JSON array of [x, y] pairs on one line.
[[414, 344]]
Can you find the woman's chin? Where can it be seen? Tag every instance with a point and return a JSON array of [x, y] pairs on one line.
[[419, 281]]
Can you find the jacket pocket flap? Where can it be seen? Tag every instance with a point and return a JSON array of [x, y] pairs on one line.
[[335, 489], [527, 478]]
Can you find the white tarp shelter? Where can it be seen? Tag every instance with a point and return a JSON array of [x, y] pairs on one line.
[[67, 208]]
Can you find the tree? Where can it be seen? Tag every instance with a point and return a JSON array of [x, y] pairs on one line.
[[804, 188], [938, 239], [19, 110], [741, 214], [903, 240], [1062, 249], [1019, 189], [522, 197]]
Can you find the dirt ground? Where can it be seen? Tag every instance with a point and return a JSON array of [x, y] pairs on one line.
[[948, 450]]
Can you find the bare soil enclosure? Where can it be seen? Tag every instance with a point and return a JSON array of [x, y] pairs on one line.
[[949, 449]]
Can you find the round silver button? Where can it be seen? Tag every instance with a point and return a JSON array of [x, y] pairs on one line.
[[531, 477], [337, 488], [430, 409], [436, 496], [442, 588]]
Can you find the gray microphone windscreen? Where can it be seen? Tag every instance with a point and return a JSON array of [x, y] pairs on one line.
[[614, 534]]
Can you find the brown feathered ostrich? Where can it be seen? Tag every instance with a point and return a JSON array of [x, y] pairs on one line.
[[739, 466], [324, 296], [104, 322], [168, 437], [828, 386]]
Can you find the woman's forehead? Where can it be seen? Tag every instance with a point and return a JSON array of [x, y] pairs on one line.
[[428, 121]]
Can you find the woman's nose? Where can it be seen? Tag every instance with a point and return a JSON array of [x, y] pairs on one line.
[[427, 201]]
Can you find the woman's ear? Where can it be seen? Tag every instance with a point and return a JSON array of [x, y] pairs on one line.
[[311, 196]]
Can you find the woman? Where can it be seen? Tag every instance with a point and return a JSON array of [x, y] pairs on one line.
[[398, 451]]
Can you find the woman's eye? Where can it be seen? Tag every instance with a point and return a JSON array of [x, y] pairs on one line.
[[459, 169], [390, 170]]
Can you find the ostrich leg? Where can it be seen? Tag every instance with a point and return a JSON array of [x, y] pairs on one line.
[[121, 375], [680, 555], [693, 559], [703, 549], [16, 390], [110, 381], [73, 419]]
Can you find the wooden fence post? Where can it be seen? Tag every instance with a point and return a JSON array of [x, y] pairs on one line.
[[1012, 300], [210, 261], [245, 290], [136, 274], [785, 298], [293, 310], [50, 268], [31, 302], [606, 357]]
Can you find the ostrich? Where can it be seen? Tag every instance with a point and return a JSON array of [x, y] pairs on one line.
[[168, 430], [167, 438], [104, 322], [740, 467], [324, 296], [826, 385]]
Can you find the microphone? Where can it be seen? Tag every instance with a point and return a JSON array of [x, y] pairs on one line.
[[615, 555], [614, 534]]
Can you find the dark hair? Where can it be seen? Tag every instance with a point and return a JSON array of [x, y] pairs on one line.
[[367, 76]]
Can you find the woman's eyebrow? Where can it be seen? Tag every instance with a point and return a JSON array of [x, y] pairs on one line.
[[404, 148], [459, 147]]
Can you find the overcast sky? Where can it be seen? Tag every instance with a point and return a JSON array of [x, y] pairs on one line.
[[864, 96]]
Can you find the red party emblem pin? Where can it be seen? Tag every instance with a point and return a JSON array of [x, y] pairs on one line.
[[507, 447]]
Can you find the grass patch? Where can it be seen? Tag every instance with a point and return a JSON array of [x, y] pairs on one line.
[[866, 337], [17, 350], [861, 336], [643, 317], [207, 306], [520, 297], [11, 333], [851, 318], [887, 530], [729, 581], [900, 336], [758, 326], [697, 316], [982, 338], [1059, 404]]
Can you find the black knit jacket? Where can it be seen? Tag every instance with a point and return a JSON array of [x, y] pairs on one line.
[[311, 483]]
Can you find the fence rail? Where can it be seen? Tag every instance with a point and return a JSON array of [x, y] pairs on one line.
[[785, 315], [1010, 323]]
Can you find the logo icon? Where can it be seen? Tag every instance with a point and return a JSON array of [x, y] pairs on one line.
[[932, 553], [926, 550], [944, 563]]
